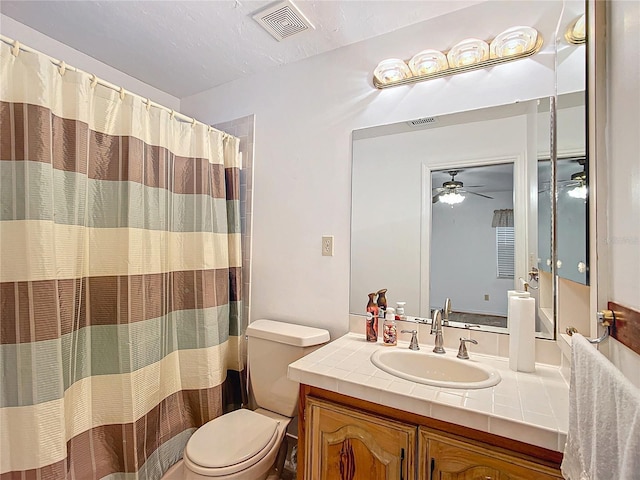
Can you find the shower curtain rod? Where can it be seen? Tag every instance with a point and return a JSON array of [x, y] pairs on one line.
[[16, 46]]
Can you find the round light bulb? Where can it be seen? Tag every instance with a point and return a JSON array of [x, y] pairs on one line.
[[391, 70], [451, 198], [514, 41], [428, 61], [468, 52], [577, 32]]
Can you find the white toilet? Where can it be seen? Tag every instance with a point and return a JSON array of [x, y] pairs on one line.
[[244, 444]]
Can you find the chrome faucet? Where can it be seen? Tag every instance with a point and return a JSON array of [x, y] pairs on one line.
[[414, 339], [436, 327], [446, 311]]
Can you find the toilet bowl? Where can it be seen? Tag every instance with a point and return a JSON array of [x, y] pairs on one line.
[[241, 445], [244, 444]]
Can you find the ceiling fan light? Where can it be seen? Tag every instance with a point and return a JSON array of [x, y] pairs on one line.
[[391, 70], [514, 41], [468, 52], [451, 198], [428, 61], [578, 192], [577, 31]]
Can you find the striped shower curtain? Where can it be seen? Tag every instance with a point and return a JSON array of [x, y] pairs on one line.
[[120, 272]]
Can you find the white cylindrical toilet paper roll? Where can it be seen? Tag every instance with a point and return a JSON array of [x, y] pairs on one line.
[[522, 348], [514, 329]]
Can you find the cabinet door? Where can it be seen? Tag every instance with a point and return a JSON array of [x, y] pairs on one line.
[[443, 458], [344, 444]]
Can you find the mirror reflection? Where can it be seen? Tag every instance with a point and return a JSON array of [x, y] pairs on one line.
[[400, 239], [572, 168], [473, 243], [572, 195]]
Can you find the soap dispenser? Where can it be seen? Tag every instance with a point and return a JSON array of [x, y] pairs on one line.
[[389, 329]]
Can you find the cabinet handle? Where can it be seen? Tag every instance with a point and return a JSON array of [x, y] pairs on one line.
[[402, 464]]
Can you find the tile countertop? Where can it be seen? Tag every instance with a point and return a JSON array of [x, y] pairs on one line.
[[529, 407]]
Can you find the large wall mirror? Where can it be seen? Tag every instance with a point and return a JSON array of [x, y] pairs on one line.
[[424, 251], [408, 239]]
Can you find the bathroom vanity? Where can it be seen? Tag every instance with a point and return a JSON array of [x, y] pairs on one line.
[[357, 421]]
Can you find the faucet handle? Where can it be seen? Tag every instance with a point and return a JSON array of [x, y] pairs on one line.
[[462, 351], [414, 339]]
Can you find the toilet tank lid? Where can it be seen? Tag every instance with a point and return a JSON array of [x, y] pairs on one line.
[[288, 333]]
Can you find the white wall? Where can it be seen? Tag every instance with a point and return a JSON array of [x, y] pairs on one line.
[[305, 113], [47, 45], [623, 153], [623, 78], [386, 221]]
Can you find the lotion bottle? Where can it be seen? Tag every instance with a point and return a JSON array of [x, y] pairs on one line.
[[389, 329]]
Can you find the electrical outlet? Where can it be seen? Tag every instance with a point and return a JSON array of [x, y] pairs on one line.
[[486, 298], [327, 245]]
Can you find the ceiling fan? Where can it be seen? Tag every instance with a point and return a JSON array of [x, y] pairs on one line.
[[451, 190], [577, 182]]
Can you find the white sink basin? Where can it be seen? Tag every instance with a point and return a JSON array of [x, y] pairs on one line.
[[435, 370]]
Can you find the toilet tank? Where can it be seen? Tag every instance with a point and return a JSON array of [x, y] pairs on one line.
[[272, 346]]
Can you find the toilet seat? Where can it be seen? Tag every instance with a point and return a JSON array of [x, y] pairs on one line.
[[231, 443]]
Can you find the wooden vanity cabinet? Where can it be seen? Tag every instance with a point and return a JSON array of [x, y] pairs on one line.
[[345, 438], [443, 457], [349, 445]]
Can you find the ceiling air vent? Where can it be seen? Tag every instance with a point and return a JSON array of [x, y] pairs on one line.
[[282, 20], [422, 121]]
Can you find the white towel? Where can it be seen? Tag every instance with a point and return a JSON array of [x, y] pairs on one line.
[[603, 442]]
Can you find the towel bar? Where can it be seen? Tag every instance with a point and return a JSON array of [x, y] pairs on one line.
[[606, 318]]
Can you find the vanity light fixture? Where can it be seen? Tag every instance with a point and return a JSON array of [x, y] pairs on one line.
[[452, 198], [577, 31], [469, 54]]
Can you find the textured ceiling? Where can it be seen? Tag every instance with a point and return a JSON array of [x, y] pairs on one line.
[[185, 47]]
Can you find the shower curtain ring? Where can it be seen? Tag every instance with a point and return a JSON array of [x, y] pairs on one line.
[[172, 115], [148, 104], [62, 68], [122, 93], [94, 81], [15, 50]]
